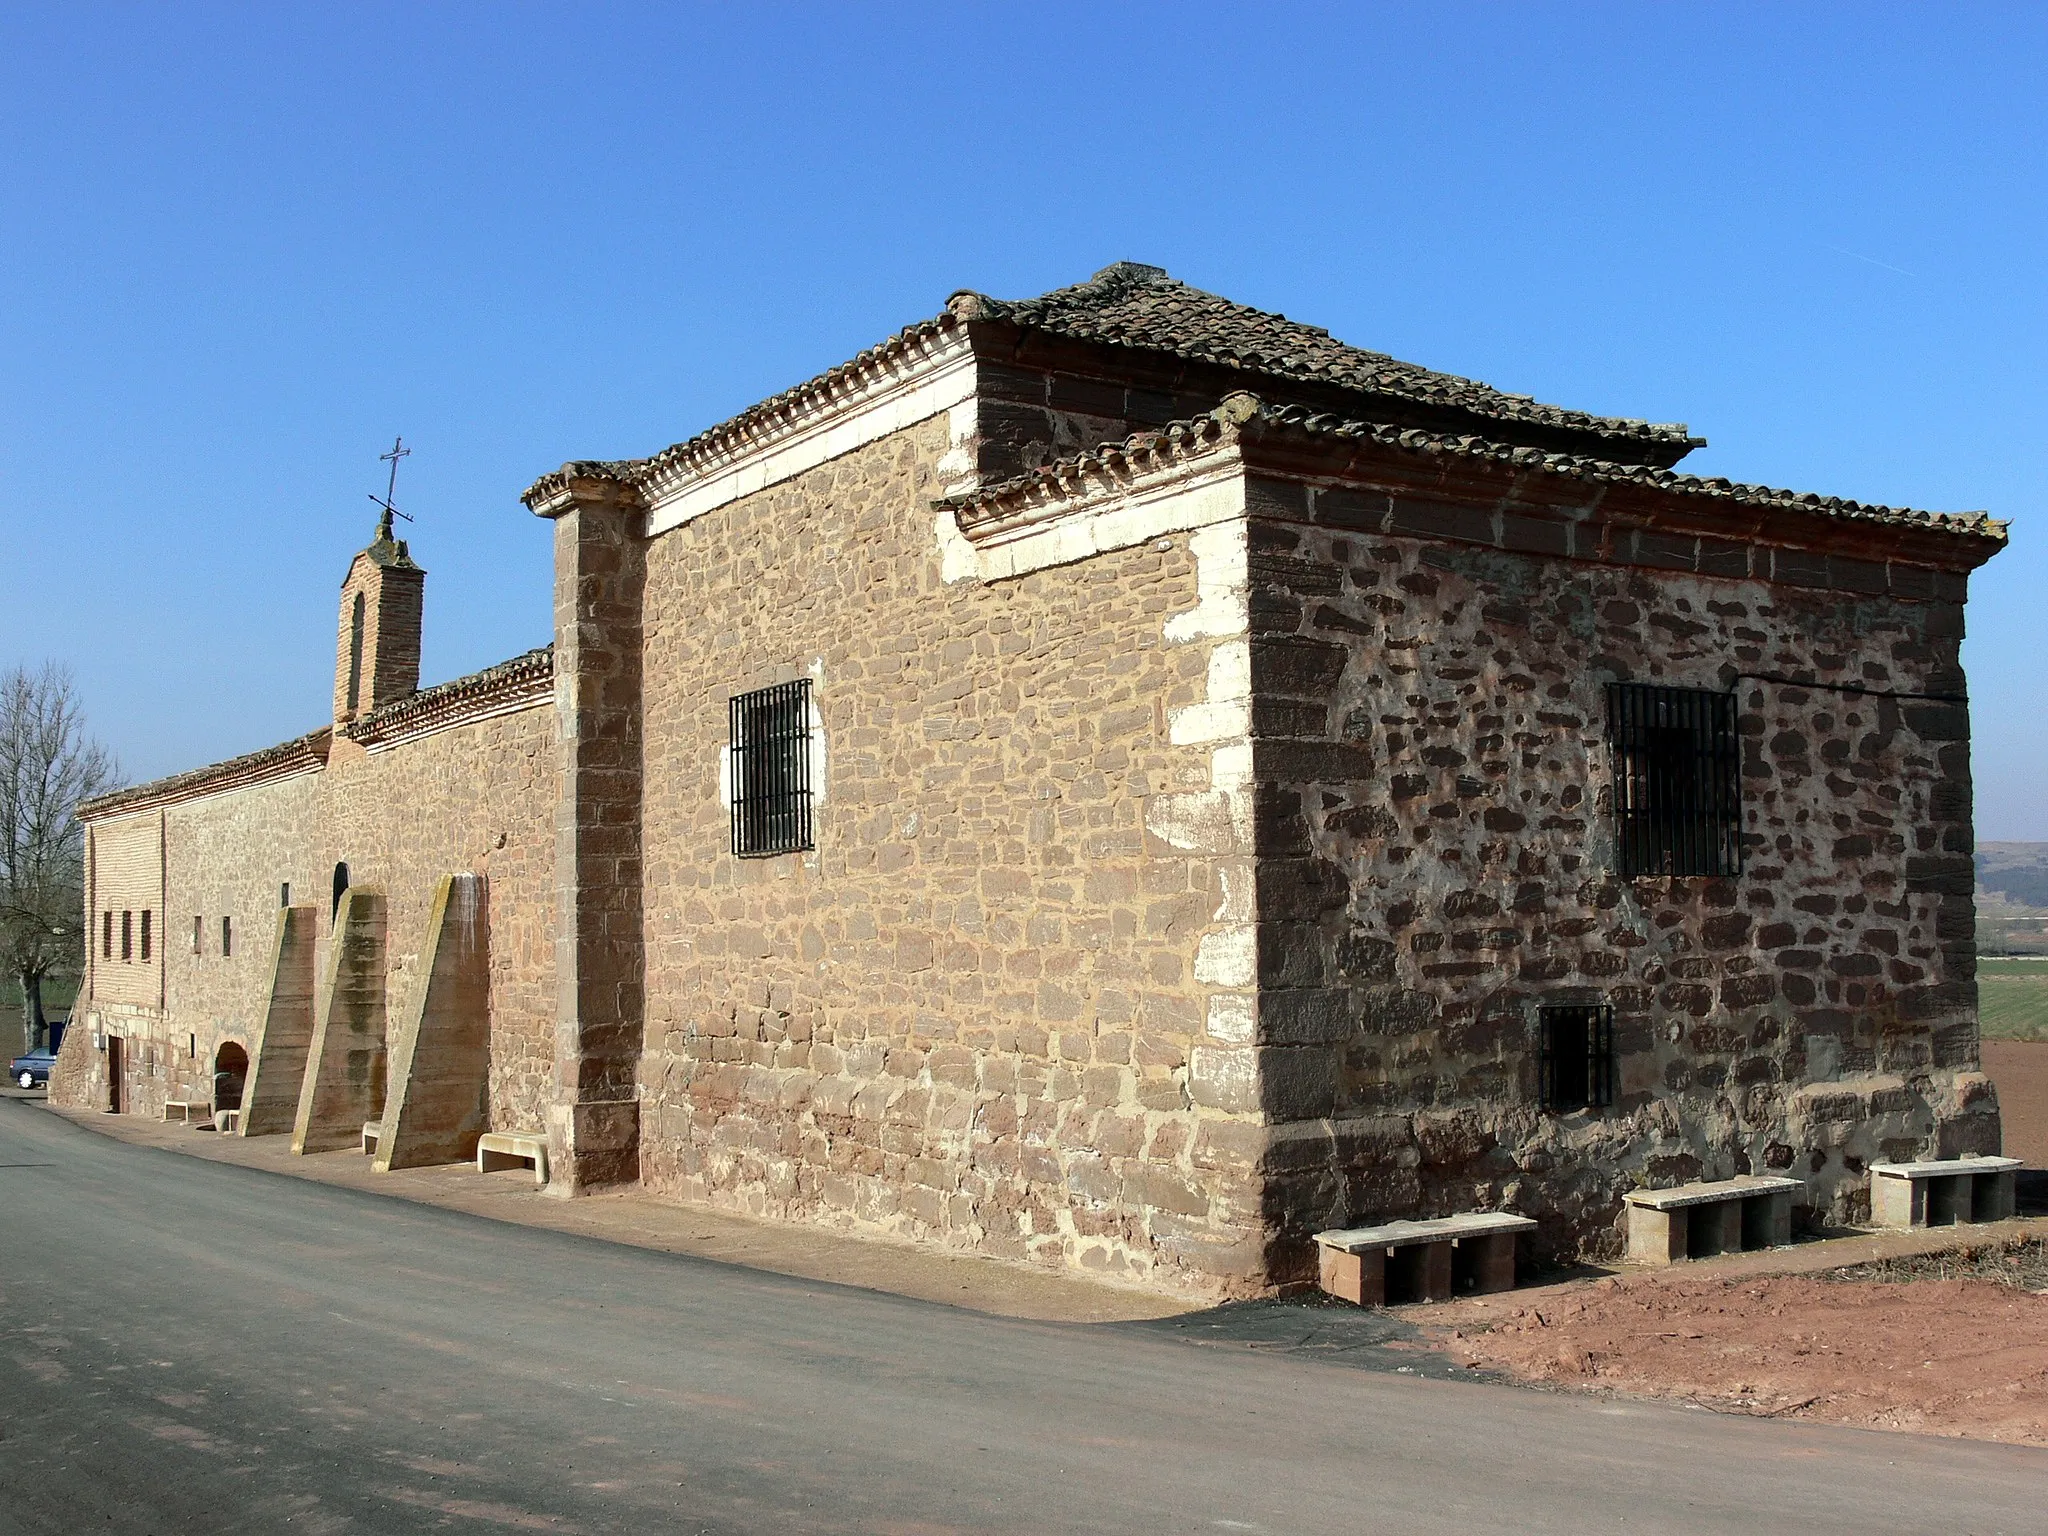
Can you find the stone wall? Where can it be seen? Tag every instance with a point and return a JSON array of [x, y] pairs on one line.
[[476, 799], [1436, 838], [473, 798], [230, 856], [969, 1015]]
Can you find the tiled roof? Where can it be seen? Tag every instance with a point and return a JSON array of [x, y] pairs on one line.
[[298, 755], [1247, 416], [758, 423], [1142, 308], [529, 675], [1133, 305]]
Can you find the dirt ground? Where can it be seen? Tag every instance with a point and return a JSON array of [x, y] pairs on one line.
[[1944, 1344], [2020, 1069]]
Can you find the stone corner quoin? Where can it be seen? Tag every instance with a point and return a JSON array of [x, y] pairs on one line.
[[1123, 805]]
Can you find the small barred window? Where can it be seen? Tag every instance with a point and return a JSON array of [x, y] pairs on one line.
[[227, 937], [1577, 1064], [145, 933], [127, 935], [1677, 780], [771, 769]]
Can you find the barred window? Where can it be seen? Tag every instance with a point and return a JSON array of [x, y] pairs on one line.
[[198, 935], [1577, 1063], [771, 769], [145, 933], [107, 935], [128, 935], [1677, 780], [227, 937]]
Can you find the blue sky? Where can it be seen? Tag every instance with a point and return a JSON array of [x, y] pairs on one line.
[[244, 246]]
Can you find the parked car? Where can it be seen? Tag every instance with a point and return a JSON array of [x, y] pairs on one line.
[[32, 1070]]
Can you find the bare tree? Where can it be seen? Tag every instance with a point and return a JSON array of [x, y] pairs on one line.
[[47, 766]]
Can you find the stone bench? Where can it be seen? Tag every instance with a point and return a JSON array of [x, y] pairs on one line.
[[1942, 1192], [227, 1121], [1697, 1221], [187, 1108], [511, 1149], [372, 1130], [1403, 1261]]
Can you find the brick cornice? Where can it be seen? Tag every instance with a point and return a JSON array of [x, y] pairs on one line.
[[1393, 480], [584, 482], [520, 683]]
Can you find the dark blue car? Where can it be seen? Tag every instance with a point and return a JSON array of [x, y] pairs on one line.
[[32, 1070]]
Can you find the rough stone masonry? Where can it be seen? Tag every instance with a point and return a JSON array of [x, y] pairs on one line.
[[1210, 812]]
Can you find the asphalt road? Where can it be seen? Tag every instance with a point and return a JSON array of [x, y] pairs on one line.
[[191, 1346]]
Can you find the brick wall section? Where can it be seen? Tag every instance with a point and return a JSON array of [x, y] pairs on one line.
[[128, 878], [1436, 844], [393, 597], [969, 1014]]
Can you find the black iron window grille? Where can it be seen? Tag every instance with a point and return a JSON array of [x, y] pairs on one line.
[[1677, 780], [1577, 1059], [771, 769]]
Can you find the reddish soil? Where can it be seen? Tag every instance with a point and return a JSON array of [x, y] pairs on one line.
[[1966, 1357], [2020, 1069]]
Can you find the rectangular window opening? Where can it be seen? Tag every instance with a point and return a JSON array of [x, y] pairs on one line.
[[227, 937], [198, 935], [1577, 1058], [771, 769], [1677, 780], [284, 894], [127, 935], [145, 933], [107, 935], [355, 653]]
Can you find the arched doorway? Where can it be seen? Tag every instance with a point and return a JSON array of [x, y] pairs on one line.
[[340, 885], [230, 1071]]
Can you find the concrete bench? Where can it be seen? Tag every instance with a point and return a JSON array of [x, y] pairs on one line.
[[1697, 1221], [372, 1130], [188, 1109], [1942, 1192], [1404, 1261], [227, 1121], [510, 1149]]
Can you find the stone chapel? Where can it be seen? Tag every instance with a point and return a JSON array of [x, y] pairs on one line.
[[1120, 780]]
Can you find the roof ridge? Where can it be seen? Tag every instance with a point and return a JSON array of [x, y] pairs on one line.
[[1130, 304]]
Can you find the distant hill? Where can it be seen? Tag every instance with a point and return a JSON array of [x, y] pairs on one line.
[[2018, 872]]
